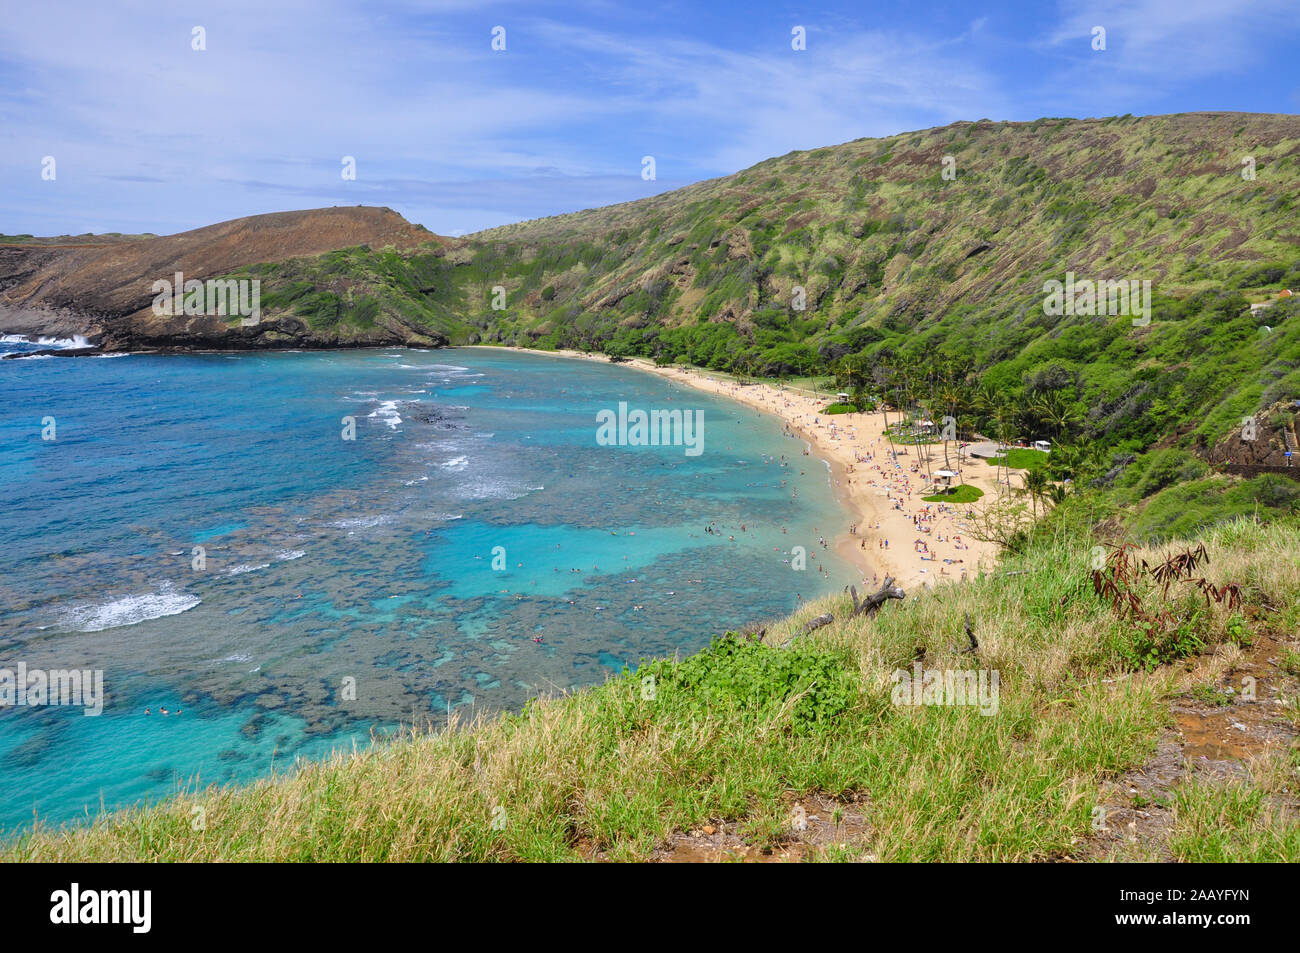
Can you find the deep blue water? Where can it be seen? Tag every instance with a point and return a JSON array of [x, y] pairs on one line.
[[330, 562]]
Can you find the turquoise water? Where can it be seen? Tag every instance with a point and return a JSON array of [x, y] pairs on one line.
[[332, 563]]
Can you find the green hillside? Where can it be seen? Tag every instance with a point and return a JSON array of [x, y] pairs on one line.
[[889, 252], [923, 288]]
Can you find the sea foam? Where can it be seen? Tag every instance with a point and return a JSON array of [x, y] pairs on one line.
[[129, 610]]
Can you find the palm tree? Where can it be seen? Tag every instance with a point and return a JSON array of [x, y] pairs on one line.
[[1063, 462], [1003, 417], [852, 373], [965, 424], [1057, 412], [1036, 484], [949, 396], [882, 373], [911, 392]]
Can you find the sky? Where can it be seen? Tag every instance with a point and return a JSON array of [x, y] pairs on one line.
[[146, 133]]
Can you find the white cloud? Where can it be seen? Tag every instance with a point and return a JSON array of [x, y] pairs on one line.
[[151, 134]]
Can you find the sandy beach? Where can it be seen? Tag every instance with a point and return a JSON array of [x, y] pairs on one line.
[[889, 529]]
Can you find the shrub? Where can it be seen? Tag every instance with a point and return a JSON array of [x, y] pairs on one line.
[[734, 675]]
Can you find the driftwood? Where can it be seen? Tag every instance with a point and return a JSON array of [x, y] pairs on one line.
[[872, 603], [817, 623], [970, 634], [812, 626], [870, 606]]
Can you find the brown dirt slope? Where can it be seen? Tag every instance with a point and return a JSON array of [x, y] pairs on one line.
[[73, 286]]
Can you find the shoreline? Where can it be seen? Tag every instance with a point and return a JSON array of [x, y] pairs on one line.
[[879, 497]]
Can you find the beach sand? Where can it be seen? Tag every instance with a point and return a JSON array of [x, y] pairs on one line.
[[882, 497]]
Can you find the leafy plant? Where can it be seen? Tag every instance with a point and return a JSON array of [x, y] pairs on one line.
[[1237, 631], [1210, 695], [809, 686]]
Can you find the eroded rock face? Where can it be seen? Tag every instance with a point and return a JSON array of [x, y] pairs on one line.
[[102, 287], [1265, 443]]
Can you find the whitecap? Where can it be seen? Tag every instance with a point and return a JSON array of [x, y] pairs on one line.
[[45, 341], [359, 522], [495, 491], [387, 411], [240, 570], [290, 554], [129, 610], [455, 463]]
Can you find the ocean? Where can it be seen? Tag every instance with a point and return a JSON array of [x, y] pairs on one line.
[[201, 530]]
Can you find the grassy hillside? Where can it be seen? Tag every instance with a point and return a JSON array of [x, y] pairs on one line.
[[891, 254], [885, 246], [353, 293], [925, 293], [805, 749]]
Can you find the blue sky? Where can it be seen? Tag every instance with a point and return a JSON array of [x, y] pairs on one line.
[[149, 134]]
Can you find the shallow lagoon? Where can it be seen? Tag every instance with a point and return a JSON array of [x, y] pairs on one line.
[[367, 562]]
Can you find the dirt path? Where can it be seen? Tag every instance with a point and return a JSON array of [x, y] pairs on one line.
[[1216, 731]]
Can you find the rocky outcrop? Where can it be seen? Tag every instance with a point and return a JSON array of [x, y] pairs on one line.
[[1263, 442]]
